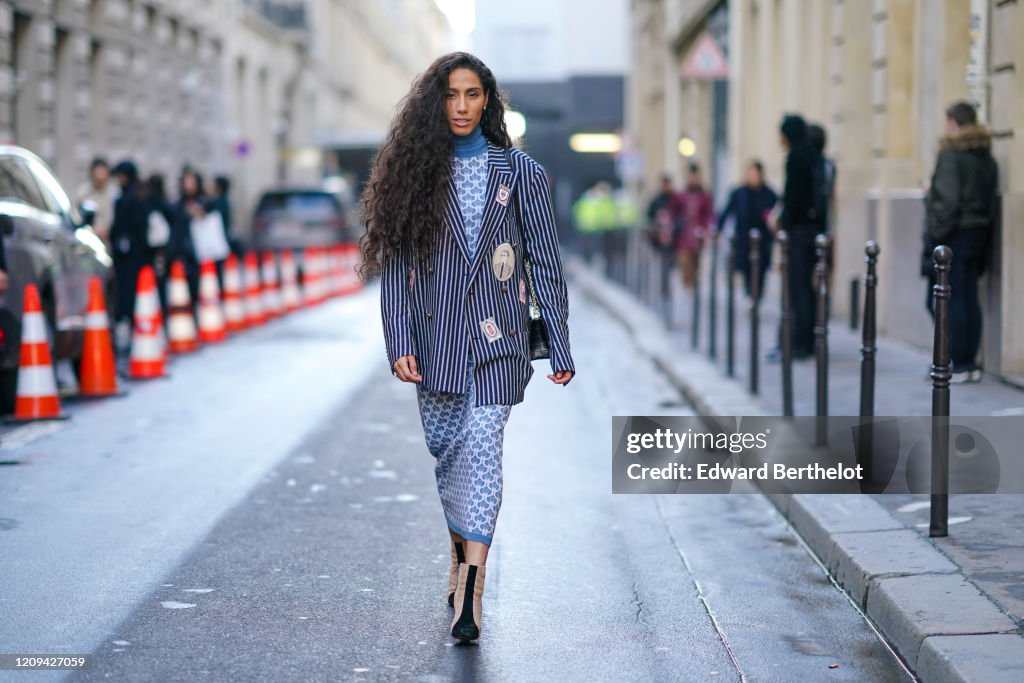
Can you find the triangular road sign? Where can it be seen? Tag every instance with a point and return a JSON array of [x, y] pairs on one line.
[[706, 60]]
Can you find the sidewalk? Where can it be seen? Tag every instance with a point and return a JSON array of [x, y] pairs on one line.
[[952, 607]]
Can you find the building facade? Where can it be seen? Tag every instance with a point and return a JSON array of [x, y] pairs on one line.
[[259, 90], [877, 75]]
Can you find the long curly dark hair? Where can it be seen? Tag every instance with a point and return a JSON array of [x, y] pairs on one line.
[[404, 199]]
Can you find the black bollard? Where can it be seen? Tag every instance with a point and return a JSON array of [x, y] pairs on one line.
[[730, 310], [713, 299], [695, 328], [941, 373], [785, 332], [821, 244], [867, 361], [854, 302], [755, 312]]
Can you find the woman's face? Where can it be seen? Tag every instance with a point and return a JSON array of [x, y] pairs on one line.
[[190, 184], [465, 102]]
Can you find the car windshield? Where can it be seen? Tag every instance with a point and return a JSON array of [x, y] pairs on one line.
[[319, 204]]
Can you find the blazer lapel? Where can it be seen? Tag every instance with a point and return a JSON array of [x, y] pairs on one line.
[[499, 174], [453, 219]]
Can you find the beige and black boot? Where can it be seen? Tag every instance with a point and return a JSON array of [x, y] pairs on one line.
[[458, 557], [469, 595]]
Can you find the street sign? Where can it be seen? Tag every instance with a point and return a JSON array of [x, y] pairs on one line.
[[706, 61]]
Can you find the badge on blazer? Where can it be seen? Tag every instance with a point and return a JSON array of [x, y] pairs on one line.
[[504, 261], [490, 329], [503, 194], [522, 291]]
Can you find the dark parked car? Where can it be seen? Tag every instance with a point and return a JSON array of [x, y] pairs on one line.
[[298, 218], [46, 242]]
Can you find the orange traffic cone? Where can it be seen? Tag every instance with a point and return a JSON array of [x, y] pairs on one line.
[[37, 386], [211, 317], [290, 294], [181, 324], [148, 357], [271, 294], [254, 314], [337, 282], [308, 278], [234, 308], [98, 373]]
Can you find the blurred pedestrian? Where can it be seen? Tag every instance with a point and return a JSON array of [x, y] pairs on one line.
[[661, 233], [750, 205], [130, 247], [190, 207], [802, 220], [221, 203], [162, 215], [98, 194], [446, 185], [962, 208], [825, 197], [693, 213], [595, 215]]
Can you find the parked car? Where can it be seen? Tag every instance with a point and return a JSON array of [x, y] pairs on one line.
[[298, 218], [48, 243]]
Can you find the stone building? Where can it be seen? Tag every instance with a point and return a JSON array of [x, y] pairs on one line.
[[259, 90], [878, 75]]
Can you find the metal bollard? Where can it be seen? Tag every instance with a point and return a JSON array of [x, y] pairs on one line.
[[695, 328], [755, 312], [785, 333], [854, 302], [821, 244], [730, 310], [867, 361], [941, 373], [713, 300]]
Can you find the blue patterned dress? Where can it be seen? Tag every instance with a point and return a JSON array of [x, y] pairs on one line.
[[466, 440]]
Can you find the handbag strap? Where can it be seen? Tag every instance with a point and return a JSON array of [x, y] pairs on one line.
[[534, 305]]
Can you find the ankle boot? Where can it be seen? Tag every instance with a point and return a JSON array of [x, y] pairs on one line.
[[469, 595], [458, 557]]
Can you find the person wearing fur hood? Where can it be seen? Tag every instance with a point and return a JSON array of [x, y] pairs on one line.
[[962, 212]]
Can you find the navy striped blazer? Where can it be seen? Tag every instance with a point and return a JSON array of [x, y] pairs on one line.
[[434, 310]]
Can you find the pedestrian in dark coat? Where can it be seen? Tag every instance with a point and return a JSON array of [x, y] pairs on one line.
[[192, 204], [802, 223], [962, 211], [128, 238], [749, 205], [452, 210]]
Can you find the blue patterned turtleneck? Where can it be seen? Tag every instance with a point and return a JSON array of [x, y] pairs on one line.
[[469, 168]]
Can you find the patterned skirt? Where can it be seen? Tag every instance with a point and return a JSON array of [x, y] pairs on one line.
[[466, 442]]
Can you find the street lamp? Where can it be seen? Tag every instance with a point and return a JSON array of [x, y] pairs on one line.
[[515, 123], [687, 147]]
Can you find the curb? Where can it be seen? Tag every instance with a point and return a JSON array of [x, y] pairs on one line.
[[938, 622]]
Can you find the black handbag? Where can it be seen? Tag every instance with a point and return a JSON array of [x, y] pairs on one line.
[[540, 339]]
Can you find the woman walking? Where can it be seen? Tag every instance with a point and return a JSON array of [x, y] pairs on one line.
[[452, 211], [750, 205]]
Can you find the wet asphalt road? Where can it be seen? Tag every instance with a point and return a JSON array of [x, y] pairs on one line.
[[264, 539]]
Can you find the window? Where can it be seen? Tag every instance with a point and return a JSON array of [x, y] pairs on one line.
[[17, 183]]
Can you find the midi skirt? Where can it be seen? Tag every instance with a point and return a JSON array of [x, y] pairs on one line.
[[466, 442]]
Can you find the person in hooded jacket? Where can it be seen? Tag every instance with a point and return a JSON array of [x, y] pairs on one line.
[[962, 211]]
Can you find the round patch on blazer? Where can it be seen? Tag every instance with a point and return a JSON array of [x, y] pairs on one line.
[[504, 261]]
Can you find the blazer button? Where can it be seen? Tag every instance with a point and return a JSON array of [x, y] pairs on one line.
[[504, 288], [512, 332], [430, 314]]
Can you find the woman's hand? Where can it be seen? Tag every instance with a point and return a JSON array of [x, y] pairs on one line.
[[405, 368], [561, 377]]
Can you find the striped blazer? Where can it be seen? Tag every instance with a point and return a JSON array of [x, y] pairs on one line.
[[435, 310]]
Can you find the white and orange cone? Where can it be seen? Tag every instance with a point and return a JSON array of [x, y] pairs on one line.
[[98, 375], [234, 307], [37, 385], [254, 313], [149, 356], [308, 278], [181, 323], [271, 294], [211, 316], [291, 297]]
